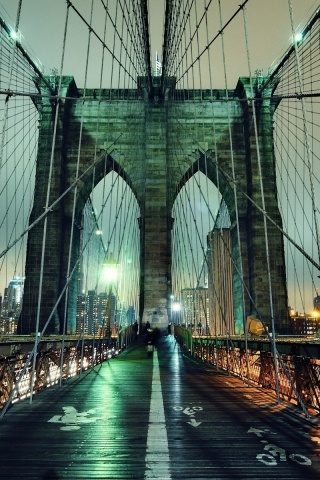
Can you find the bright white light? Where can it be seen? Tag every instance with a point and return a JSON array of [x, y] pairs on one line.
[[298, 37], [176, 307], [110, 272], [99, 232], [15, 35]]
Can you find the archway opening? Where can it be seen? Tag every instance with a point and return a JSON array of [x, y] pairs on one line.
[[110, 238]]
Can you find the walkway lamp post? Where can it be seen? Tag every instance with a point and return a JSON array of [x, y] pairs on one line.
[[110, 274]]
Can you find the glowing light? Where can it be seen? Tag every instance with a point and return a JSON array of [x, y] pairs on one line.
[[315, 313], [110, 272], [99, 232], [15, 35], [298, 37], [176, 307]]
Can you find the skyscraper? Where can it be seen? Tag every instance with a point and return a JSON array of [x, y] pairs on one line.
[[11, 305]]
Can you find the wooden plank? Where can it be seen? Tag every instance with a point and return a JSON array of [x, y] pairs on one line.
[[216, 427]]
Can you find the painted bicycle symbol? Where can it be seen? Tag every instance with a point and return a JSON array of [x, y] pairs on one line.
[[272, 453], [190, 412], [72, 419]]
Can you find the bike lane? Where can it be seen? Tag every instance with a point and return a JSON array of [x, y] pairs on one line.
[[218, 427]]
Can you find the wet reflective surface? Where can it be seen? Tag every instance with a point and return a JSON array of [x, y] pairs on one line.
[[159, 415]]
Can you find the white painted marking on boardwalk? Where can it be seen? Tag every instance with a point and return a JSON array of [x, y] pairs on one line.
[[157, 456], [256, 431], [194, 423], [72, 419], [276, 453], [190, 411]]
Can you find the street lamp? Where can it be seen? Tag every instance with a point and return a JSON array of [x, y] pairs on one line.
[[110, 274]]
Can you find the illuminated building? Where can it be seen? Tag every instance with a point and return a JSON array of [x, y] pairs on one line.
[[220, 275], [92, 312], [195, 307], [11, 305]]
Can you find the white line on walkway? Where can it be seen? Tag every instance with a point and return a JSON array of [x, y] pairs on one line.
[[157, 456]]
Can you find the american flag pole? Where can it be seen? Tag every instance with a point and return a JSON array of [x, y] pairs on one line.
[[158, 65]]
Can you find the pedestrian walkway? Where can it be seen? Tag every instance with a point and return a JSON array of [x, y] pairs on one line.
[[157, 416]]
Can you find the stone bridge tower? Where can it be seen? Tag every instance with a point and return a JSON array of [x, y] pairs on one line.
[[136, 133]]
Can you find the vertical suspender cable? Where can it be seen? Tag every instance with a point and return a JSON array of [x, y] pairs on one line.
[[47, 208], [12, 55], [306, 132], [75, 200], [235, 193], [273, 340], [210, 264]]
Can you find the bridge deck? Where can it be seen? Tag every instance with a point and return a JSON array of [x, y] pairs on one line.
[[157, 416]]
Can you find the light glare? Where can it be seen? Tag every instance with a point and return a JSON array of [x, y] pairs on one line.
[[176, 307]]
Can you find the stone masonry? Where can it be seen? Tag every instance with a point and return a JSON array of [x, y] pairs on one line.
[[156, 144]]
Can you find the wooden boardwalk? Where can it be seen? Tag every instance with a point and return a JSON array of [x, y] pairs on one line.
[[160, 416]]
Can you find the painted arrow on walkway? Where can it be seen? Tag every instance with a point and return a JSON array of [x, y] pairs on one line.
[[194, 423]]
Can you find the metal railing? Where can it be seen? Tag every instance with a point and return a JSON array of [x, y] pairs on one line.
[[54, 365], [298, 376]]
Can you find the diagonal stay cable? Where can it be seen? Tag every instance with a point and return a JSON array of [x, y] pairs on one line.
[[70, 4], [55, 202], [214, 39]]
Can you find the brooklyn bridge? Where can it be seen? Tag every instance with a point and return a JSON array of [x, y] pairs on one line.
[[159, 239]]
